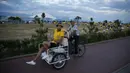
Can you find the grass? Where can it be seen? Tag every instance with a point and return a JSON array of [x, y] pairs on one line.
[[15, 31], [20, 31], [9, 46]]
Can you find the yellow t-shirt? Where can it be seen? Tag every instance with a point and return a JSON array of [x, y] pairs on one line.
[[57, 35]]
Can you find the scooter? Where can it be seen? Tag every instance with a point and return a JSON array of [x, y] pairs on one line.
[[58, 56]]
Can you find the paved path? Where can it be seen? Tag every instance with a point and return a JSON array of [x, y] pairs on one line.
[[99, 58]]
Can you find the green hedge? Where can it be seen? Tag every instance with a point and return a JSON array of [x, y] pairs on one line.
[[96, 37], [9, 48]]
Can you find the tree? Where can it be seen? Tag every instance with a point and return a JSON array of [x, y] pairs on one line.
[[18, 18], [117, 25], [37, 19], [117, 22], [11, 18], [0, 18], [41, 32], [105, 21], [43, 15], [14, 19], [77, 18], [91, 28], [91, 19]]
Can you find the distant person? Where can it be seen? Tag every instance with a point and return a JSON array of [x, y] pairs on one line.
[[57, 39], [74, 35]]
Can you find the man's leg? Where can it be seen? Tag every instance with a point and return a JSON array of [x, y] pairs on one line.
[[41, 49], [53, 45], [38, 54], [76, 38], [71, 51]]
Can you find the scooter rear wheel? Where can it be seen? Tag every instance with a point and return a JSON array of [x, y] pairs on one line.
[[81, 50]]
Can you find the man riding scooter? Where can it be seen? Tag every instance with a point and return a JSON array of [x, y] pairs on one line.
[[57, 39]]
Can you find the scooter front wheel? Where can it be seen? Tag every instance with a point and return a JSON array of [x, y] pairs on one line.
[[59, 61]]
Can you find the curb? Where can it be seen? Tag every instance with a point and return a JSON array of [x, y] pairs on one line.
[[15, 57], [105, 41], [121, 68]]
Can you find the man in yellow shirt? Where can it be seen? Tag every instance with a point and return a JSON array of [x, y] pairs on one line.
[[57, 39], [58, 35]]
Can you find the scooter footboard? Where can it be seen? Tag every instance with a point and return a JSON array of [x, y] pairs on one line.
[[51, 59], [58, 61]]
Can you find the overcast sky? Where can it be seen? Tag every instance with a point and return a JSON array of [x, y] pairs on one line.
[[98, 9]]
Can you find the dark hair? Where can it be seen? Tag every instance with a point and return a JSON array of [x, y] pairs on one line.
[[59, 25]]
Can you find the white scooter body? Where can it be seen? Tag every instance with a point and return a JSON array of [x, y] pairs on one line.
[[56, 50]]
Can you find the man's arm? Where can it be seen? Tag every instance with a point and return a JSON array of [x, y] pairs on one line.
[[60, 40], [74, 31], [52, 38], [69, 28]]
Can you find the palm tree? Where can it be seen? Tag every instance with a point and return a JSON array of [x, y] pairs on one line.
[[43, 15], [105, 21], [91, 19], [77, 18], [0, 18]]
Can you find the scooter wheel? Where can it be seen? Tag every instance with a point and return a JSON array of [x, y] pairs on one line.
[[60, 64], [81, 50]]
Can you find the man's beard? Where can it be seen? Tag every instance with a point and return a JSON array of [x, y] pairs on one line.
[[58, 29]]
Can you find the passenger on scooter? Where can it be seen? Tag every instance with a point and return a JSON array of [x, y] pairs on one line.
[[57, 39]]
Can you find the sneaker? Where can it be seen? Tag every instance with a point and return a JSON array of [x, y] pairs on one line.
[[31, 63]]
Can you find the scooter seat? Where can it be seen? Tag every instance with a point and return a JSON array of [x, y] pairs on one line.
[[59, 50]]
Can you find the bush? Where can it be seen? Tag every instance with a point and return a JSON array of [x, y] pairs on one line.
[[9, 48], [96, 37]]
